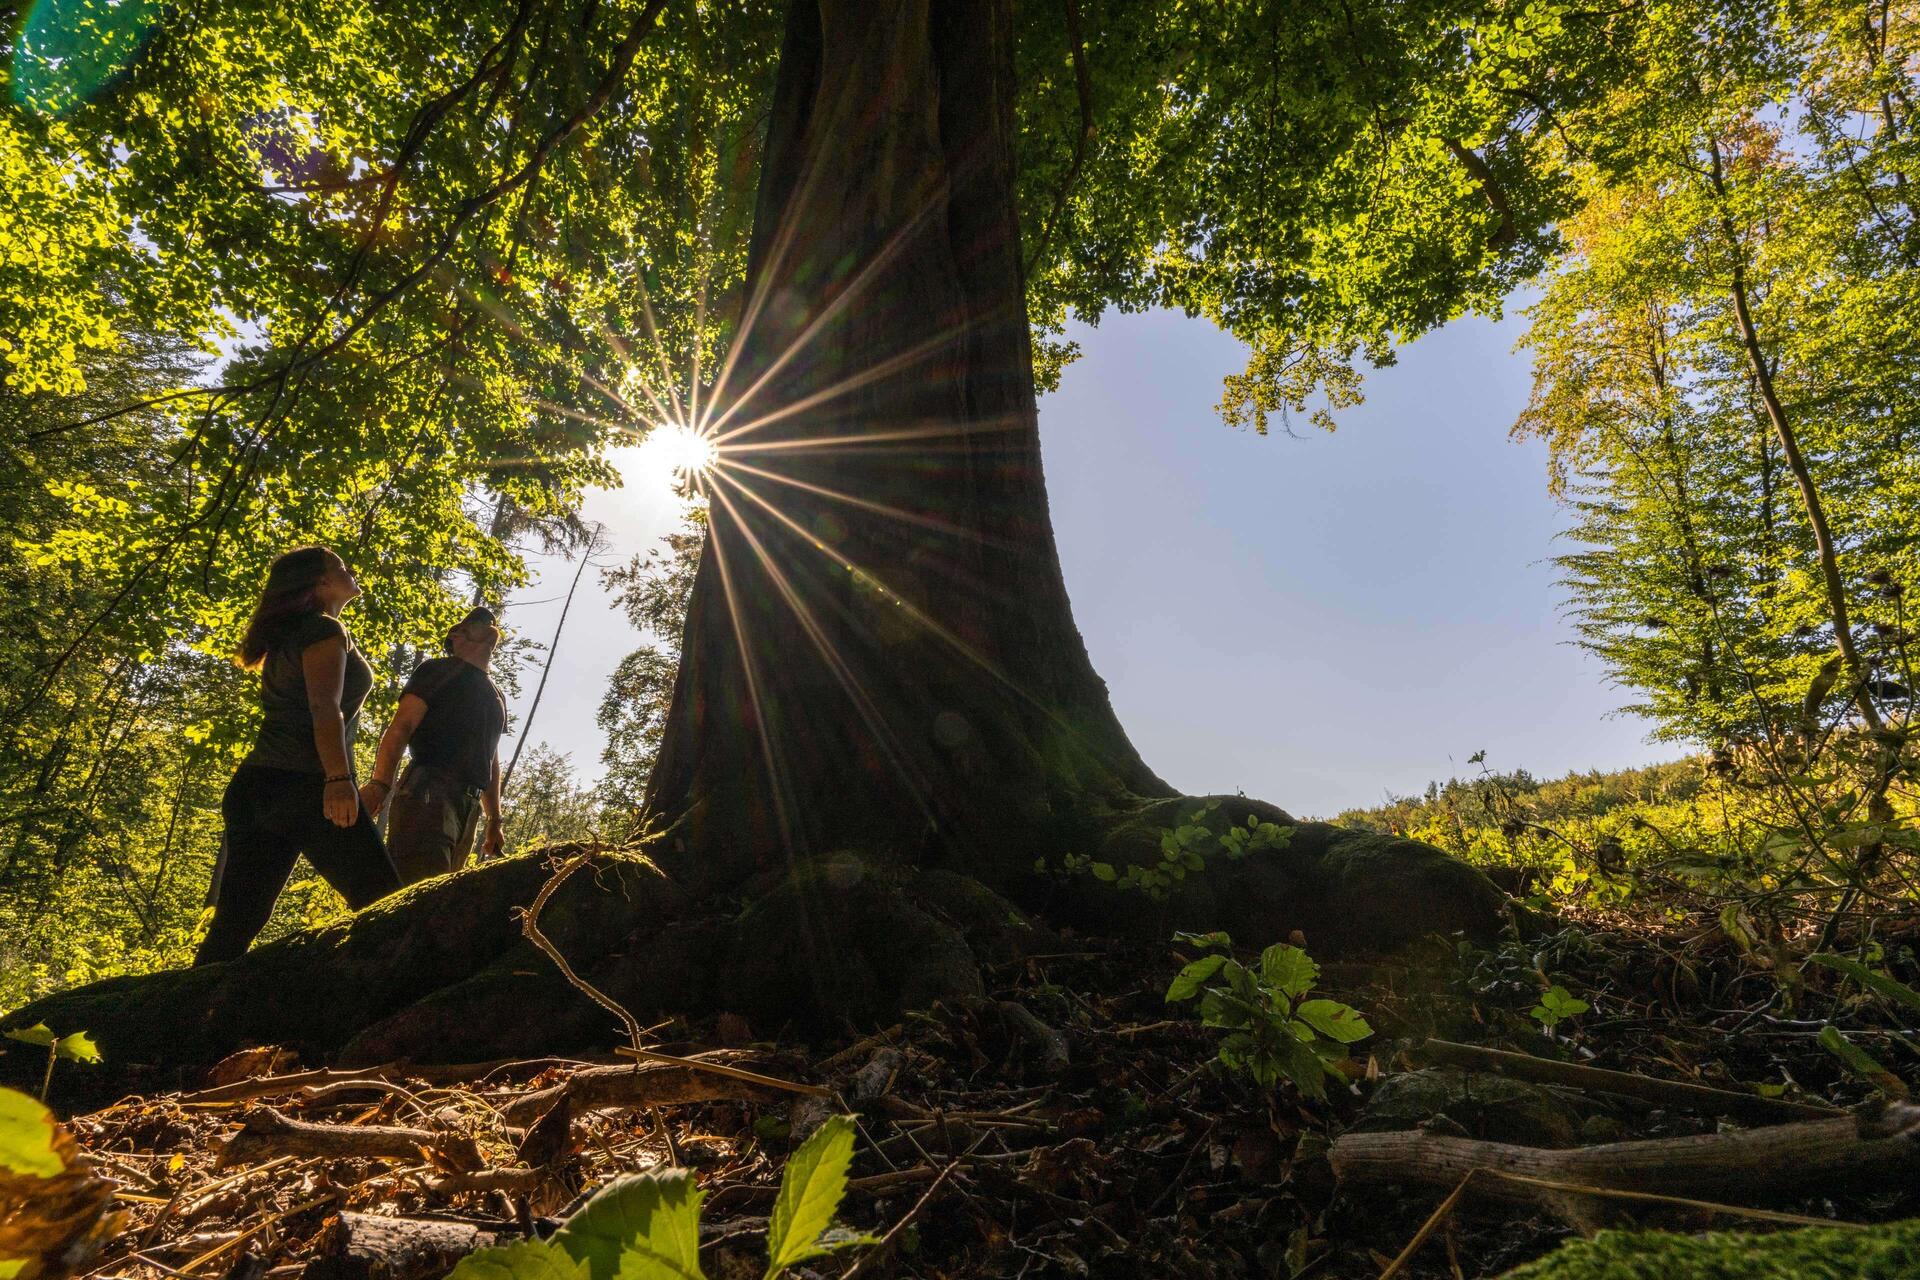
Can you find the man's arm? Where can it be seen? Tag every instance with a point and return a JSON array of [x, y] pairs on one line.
[[493, 844], [386, 762]]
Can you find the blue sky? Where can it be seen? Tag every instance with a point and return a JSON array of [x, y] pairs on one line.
[[1319, 621]]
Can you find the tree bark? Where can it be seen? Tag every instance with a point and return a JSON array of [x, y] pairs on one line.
[[879, 649]]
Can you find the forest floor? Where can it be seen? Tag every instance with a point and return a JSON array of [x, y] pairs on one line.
[[1069, 1123]]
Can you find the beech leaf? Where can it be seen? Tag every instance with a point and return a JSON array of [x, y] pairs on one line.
[[810, 1193]]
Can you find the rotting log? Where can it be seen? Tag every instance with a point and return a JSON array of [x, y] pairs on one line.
[[362, 1246], [267, 1134], [1737, 1167]]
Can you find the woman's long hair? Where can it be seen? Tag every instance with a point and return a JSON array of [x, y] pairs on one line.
[[288, 593]]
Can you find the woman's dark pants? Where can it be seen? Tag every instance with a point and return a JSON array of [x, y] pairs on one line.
[[273, 816]]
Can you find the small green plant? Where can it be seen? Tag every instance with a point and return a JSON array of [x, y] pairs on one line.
[[1857, 1059], [1273, 1031], [78, 1047], [1184, 848], [1557, 1005], [647, 1226]]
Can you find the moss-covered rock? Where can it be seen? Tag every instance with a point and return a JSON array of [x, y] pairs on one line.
[[1889, 1252], [1346, 890]]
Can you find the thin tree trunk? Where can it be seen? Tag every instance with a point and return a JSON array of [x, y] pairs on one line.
[[1796, 462], [546, 669]]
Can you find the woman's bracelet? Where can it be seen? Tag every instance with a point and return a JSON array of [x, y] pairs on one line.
[[339, 777]]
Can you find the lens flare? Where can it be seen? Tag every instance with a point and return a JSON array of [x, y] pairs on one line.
[[674, 457], [68, 51], [681, 451]]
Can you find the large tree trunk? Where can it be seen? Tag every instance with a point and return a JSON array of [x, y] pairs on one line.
[[879, 651]]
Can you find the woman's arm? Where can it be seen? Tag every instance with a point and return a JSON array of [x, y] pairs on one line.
[[324, 664]]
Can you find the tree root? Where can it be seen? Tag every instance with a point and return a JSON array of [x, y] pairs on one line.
[[442, 971]]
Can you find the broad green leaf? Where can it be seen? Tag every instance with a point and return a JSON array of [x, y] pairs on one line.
[[39, 1033], [1862, 1063], [1221, 1009], [642, 1227], [1297, 1061], [1878, 983], [1187, 983], [810, 1193], [78, 1047], [1214, 939], [1104, 871], [1288, 969], [521, 1260], [26, 1137], [1334, 1020]]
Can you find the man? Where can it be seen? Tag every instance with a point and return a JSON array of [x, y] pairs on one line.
[[451, 716]]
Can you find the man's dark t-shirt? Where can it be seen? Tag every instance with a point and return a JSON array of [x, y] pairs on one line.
[[465, 718], [286, 732]]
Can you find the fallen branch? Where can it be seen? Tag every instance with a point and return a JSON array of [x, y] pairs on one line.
[[663, 1084], [1698, 1098], [721, 1068], [294, 1082], [1810, 1155], [268, 1133], [309, 1083], [514, 1182]]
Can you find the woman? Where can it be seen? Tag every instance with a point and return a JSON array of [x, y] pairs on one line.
[[295, 791]]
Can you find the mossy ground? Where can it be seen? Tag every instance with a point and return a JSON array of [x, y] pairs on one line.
[[1890, 1251]]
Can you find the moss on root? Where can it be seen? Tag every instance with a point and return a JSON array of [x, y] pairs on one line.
[[440, 973], [1887, 1252], [1346, 890]]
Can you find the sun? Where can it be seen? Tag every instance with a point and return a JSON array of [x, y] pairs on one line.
[[673, 456]]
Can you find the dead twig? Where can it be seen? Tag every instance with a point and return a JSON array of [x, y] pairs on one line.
[[722, 1069], [884, 1249], [1698, 1098]]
